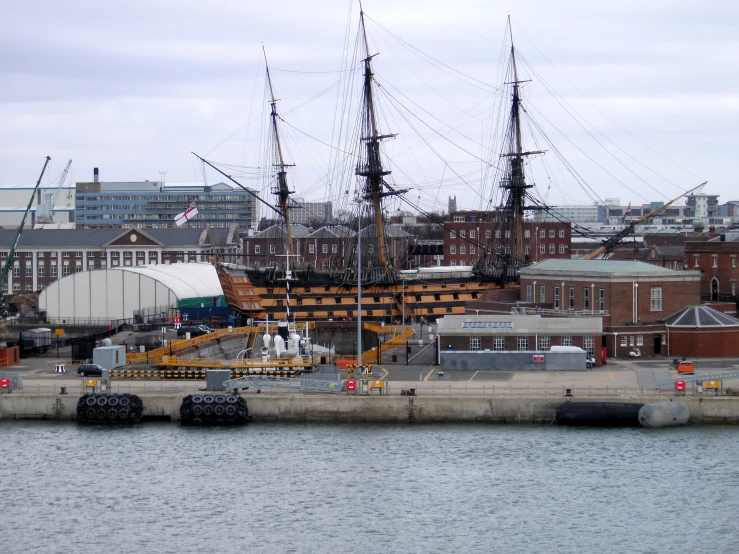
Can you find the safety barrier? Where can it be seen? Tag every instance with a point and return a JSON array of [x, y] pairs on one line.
[[109, 408], [195, 374], [180, 344], [220, 363], [213, 409]]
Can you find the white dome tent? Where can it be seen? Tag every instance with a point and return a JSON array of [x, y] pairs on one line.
[[116, 293]]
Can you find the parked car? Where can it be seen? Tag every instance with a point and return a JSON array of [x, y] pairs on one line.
[[90, 369], [195, 331], [686, 367]]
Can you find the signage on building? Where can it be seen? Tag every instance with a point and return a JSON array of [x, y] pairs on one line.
[[538, 357]]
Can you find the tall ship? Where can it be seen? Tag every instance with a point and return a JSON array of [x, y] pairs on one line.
[[369, 276]]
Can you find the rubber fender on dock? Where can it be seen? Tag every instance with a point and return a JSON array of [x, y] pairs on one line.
[[664, 414], [109, 408], [599, 414], [209, 409]]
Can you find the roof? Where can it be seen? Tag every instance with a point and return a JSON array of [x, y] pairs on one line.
[[608, 267], [391, 231], [700, 316], [729, 236], [670, 251], [332, 232], [278, 232], [191, 280], [68, 238]]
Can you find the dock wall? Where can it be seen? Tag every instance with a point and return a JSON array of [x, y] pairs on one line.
[[376, 409]]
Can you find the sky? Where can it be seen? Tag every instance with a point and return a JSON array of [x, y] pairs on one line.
[[134, 87]]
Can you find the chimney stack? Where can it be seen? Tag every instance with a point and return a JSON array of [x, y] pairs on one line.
[[95, 175]]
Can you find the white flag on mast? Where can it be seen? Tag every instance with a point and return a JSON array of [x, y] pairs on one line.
[[187, 215]]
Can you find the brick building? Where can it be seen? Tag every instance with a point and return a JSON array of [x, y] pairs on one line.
[[701, 331], [470, 234], [633, 298], [716, 259], [45, 255]]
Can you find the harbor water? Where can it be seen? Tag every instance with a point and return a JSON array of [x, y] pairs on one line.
[[163, 488]]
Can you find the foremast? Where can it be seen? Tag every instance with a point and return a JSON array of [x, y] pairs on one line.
[[369, 164], [280, 188]]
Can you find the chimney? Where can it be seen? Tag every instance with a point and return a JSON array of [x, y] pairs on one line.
[[95, 175]]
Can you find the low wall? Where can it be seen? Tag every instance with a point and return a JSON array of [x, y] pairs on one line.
[[507, 361], [375, 409]]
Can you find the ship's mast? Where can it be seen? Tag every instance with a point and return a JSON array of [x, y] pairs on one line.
[[370, 166], [280, 189], [515, 181]]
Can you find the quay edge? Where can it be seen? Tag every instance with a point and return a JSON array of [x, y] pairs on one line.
[[374, 409]]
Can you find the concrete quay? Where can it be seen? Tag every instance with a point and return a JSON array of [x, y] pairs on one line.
[[318, 408]]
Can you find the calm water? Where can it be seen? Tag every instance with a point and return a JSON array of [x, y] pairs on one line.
[[310, 488]]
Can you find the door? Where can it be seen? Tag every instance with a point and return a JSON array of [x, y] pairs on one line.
[[657, 345], [714, 290]]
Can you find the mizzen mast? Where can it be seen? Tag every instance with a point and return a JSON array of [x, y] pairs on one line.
[[515, 180], [370, 163], [280, 189]]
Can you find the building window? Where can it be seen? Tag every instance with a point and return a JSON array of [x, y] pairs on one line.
[[29, 270], [714, 260], [527, 234], [542, 234], [561, 233], [572, 298], [523, 344], [104, 264], [91, 254], [640, 340], [542, 293], [588, 346], [463, 234], [41, 271], [475, 343], [453, 249], [543, 248], [472, 250], [462, 249], [334, 248], [562, 248], [631, 340], [551, 233], [566, 341], [656, 299], [499, 344], [733, 262], [16, 286], [497, 234], [544, 342], [16, 269], [696, 261], [528, 293], [508, 234], [311, 248], [40, 287], [52, 271], [551, 249], [624, 341], [459, 219], [257, 249], [271, 248], [452, 234], [602, 300], [586, 298], [556, 298], [78, 267], [472, 234], [733, 288], [488, 234], [29, 287], [65, 270], [664, 339], [324, 248], [65, 254], [90, 266]]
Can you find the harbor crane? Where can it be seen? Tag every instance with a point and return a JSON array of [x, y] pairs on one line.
[[45, 210]]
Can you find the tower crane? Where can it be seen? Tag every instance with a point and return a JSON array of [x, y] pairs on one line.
[[45, 211], [11, 254]]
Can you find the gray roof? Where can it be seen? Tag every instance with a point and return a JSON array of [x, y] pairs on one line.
[[700, 316], [729, 236], [278, 232], [332, 232], [391, 231], [97, 238], [609, 267], [672, 251]]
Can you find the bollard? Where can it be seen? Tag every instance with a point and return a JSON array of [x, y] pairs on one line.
[[63, 390]]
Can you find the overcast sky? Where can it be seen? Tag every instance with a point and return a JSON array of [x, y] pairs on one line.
[[133, 87]]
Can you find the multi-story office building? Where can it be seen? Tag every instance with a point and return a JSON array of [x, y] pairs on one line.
[[311, 213], [151, 204]]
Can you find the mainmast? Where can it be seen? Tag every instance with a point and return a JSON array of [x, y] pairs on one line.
[[515, 180], [370, 164], [280, 188]]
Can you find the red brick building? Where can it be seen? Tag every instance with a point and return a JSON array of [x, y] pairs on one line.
[[469, 234], [634, 298], [701, 331], [716, 259]]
